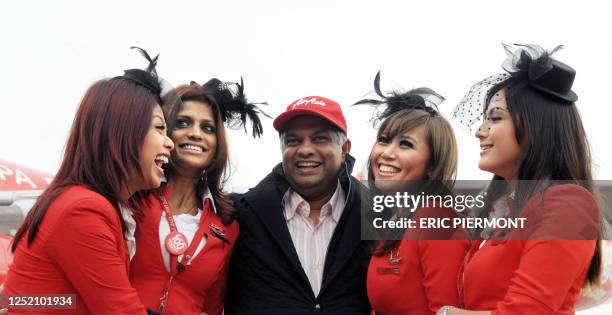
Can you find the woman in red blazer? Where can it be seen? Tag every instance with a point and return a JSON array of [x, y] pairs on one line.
[[532, 139], [417, 272], [72, 241], [186, 240]]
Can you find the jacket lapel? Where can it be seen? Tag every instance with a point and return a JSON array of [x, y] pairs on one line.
[[270, 212], [345, 240]]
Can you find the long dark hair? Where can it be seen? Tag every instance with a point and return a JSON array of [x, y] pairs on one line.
[[102, 150], [217, 173], [554, 147]]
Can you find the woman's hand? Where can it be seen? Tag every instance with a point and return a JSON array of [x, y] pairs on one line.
[[452, 310]]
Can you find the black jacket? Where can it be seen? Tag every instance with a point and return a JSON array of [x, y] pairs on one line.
[[265, 275]]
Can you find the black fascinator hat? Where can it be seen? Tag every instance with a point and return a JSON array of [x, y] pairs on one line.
[[529, 65], [233, 105], [535, 66], [148, 77], [386, 105]]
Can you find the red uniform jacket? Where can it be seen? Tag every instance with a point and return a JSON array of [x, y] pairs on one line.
[[541, 273], [200, 287], [425, 278], [79, 249]]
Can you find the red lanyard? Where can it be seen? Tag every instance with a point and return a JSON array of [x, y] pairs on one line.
[[178, 246]]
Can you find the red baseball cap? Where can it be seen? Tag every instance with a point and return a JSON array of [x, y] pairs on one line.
[[316, 106]]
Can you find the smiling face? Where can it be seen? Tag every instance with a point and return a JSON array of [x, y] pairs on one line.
[[403, 158], [154, 152], [195, 138], [500, 153], [312, 155]]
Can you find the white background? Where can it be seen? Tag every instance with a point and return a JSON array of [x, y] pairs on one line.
[[51, 51]]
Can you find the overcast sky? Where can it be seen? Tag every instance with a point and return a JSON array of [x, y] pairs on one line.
[[51, 51]]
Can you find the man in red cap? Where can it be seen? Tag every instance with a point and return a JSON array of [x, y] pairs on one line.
[[299, 249]]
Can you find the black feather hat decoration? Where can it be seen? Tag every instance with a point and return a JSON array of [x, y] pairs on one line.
[[419, 98], [148, 77], [525, 65], [233, 105]]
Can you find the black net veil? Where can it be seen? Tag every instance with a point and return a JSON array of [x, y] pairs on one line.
[[469, 112], [526, 63]]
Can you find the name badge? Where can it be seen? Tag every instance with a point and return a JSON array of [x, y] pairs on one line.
[[387, 271]]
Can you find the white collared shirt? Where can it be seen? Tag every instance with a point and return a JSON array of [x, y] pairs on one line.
[[187, 224], [130, 224], [311, 241]]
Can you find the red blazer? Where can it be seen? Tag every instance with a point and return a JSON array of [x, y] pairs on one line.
[[428, 270], [6, 256], [79, 249], [539, 273], [201, 287]]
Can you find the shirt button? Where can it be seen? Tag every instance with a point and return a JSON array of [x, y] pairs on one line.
[[318, 307]]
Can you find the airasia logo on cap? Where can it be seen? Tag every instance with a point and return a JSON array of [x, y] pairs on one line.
[[309, 101]]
